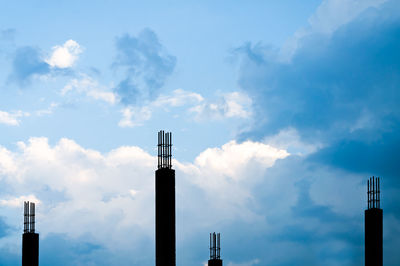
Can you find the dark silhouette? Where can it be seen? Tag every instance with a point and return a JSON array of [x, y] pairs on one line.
[[30, 239], [215, 250], [165, 203], [373, 225]]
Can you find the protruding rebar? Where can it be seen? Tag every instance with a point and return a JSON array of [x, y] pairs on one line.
[[32, 218], [26, 216], [374, 193], [164, 150], [218, 245], [29, 217], [368, 193], [215, 246], [379, 194]]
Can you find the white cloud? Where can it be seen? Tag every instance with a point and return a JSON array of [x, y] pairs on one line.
[[64, 56], [11, 119], [113, 193], [228, 175], [92, 186], [91, 88], [109, 197], [231, 157], [7, 162]]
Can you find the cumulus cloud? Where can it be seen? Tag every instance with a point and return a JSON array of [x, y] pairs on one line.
[[331, 83], [64, 56], [335, 105], [113, 193], [11, 119], [145, 65], [230, 170], [91, 88], [282, 203]]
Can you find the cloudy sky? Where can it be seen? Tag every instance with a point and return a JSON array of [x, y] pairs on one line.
[[280, 111]]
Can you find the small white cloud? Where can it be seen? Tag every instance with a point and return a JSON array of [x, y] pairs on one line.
[[230, 105], [11, 118], [134, 116], [178, 97], [47, 111], [105, 96], [91, 88], [64, 56], [132, 192], [247, 263]]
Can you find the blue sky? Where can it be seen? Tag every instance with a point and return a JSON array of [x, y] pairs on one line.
[[280, 111]]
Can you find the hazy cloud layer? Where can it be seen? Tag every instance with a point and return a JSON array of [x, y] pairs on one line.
[[7, 37], [145, 65], [90, 87], [229, 105], [28, 62]]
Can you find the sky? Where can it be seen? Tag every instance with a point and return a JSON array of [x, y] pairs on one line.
[[279, 111]]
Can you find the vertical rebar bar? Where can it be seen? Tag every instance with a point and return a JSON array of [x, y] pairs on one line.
[[26, 213], [32, 220], [373, 192], [368, 193], [218, 245], [379, 194]]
